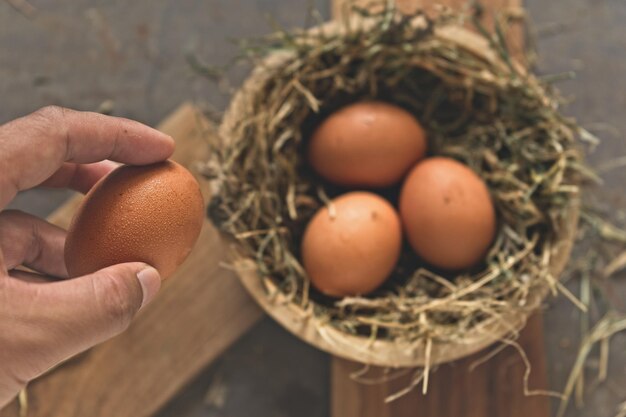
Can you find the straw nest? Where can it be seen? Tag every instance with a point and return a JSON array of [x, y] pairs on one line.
[[477, 105]]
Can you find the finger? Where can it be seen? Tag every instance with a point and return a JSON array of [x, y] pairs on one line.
[[73, 315], [29, 276], [28, 240], [33, 147], [80, 177], [3, 267]]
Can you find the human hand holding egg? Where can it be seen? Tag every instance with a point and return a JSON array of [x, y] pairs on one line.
[[46, 318]]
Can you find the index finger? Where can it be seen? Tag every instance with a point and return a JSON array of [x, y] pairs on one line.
[[33, 147]]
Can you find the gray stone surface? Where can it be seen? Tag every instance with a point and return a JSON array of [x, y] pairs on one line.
[[589, 37], [80, 53]]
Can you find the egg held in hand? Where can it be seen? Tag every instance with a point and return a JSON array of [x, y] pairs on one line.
[[351, 247], [366, 144], [150, 214], [447, 213]]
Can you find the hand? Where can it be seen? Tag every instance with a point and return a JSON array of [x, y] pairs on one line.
[[44, 317]]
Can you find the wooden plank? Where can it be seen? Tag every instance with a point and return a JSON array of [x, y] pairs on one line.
[[199, 313], [512, 8], [350, 398], [494, 389], [339, 7]]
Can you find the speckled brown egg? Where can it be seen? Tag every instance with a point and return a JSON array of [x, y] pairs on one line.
[[351, 246], [368, 144], [149, 214], [447, 213]]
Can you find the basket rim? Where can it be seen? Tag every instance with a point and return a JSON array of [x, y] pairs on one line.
[[396, 353], [387, 353]]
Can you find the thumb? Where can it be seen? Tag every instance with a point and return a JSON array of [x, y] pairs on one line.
[[76, 314]]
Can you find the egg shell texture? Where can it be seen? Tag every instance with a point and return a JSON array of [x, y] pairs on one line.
[[150, 214], [352, 248], [369, 144], [447, 213]]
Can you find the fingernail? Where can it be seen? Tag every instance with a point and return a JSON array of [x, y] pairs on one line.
[[150, 282]]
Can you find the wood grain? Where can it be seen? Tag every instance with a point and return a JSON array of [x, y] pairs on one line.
[[340, 7], [492, 9], [199, 313], [494, 389]]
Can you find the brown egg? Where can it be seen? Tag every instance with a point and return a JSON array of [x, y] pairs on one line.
[[149, 214], [447, 212], [369, 144], [352, 248]]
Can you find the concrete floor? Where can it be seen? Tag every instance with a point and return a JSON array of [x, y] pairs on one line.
[[81, 53]]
